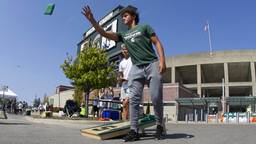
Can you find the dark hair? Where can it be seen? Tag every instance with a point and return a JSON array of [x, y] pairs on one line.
[[132, 11]]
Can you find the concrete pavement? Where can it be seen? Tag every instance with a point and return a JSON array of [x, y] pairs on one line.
[[20, 130]]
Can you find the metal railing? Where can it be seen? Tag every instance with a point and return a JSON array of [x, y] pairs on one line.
[[226, 118]]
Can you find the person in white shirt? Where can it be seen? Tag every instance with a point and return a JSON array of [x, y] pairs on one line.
[[20, 106], [124, 70]]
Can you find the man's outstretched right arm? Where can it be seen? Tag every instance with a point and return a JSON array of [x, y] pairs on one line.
[[88, 14]]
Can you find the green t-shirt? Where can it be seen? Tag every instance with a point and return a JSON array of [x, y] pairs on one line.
[[139, 45]]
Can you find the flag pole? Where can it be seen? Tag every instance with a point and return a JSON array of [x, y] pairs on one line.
[[209, 37]]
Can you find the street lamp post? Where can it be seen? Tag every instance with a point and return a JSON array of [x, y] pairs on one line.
[[4, 88], [223, 96]]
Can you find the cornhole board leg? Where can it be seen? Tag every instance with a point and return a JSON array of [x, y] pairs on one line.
[[143, 131]]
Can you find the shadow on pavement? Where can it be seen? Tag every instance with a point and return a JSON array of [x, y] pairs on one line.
[[150, 134], [1, 123], [178, 136]]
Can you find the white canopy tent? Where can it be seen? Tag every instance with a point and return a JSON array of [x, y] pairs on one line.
[[8, 94]]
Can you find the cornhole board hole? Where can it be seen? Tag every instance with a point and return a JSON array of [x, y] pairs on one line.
[[108, 131]]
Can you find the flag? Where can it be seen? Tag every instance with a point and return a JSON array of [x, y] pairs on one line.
[[206, 27]]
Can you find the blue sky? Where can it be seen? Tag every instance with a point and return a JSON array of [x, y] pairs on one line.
[[33, 46]]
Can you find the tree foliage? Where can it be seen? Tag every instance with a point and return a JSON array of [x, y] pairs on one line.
[[90, 70], [78, 95], [45, 99], [36, 102]]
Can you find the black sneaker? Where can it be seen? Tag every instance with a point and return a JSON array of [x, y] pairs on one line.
[[159, 132], [132, 136]]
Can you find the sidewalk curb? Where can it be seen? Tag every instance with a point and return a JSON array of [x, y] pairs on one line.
[[60, 121]]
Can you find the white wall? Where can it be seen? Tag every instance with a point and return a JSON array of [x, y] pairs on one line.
[[60, 99]]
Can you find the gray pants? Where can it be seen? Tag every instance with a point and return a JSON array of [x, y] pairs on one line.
[[138, 76]]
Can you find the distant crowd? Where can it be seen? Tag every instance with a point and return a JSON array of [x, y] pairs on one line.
[[16, 107]]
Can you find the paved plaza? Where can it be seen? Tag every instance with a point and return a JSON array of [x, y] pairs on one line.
[[24, 130]]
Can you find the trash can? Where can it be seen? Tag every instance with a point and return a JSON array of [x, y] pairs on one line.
[[112, 114], [28, 112]]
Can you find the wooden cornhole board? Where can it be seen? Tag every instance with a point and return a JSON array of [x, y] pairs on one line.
[[108, 131]]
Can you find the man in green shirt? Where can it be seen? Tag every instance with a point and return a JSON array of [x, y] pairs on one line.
[[146, 66]]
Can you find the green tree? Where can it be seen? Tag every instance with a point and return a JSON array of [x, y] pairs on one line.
[[78, 95], [90, 70], [45, 99], [37, 102]]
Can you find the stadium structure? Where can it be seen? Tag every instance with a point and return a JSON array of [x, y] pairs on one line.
[[202, 83]]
